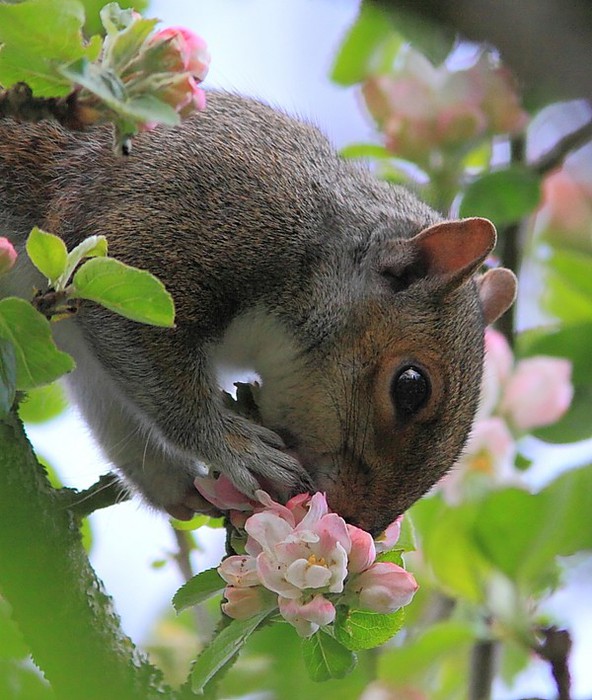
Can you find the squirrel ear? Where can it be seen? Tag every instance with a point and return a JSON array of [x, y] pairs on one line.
[[497, 291], [454, 250]]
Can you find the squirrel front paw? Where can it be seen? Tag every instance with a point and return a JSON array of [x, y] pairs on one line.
[[251, 456]]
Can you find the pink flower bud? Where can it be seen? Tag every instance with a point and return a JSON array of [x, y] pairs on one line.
[[222, 493], [185, 51], [383, 588], [307, 617], [538, 393], [7, 255], [363, 550], [242, 603]]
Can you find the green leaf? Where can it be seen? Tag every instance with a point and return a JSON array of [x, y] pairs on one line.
[[325, 657], [38, 361], [369, 47], [93, 7], [43, 404], [417, 657], [568, 289], [133, 293], [48, 253], [199, 588], [106, 85], [222, 649], [365, 150], [504, 196], [7, 376], [91, 247], [123, 45], [357, 629], [522, 533], [39, 36], [453, 555]]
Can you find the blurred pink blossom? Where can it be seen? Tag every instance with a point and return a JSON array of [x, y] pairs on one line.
[[8, 255], [421, 107], [566, 214], [538, 393]]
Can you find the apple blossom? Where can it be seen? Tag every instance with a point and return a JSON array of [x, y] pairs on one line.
[[383, 588], [538, 393], [242, 603], [7, 255], [308, 557], [181, 51], [421, 107]]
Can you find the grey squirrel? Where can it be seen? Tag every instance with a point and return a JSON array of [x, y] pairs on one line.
[[354, 302]]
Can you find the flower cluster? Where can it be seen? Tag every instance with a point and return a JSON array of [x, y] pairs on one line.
[[145, 74], [515, 398], [421, 107], [7, 255], [306, 561]]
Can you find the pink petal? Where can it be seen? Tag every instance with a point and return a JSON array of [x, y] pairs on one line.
[[222, 493], [268, 529], [302, 574], [383, 588], [317, 509], [363, 550], [389, 538], [317, 612], [7, 255], [270, 505], [272, 575], [239, 571], [332, 528], [242, 603]]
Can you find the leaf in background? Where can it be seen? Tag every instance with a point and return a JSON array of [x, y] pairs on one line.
[[222, 649], [522, 533], [199, 588], [504, 196], [358, 629], [38, 361], [365, 150], [369, 47], [453, 555], [7, 376], [419, 656], [43, 404], [325, 657], [568, 291], [133, 293], [48, 253], [38, 36]]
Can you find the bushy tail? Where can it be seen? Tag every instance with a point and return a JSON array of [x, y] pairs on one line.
[[28, 158]]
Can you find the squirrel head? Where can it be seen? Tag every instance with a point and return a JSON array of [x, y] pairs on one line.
[[392, 393]]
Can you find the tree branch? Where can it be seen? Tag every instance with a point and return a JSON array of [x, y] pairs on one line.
[[108, 491], [18, 103], [59, 604], [482, 669], [559, 152]]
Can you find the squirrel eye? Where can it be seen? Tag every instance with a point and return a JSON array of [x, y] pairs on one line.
[[410, 391]]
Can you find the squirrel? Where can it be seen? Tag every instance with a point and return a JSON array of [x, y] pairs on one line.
[[360, 308]]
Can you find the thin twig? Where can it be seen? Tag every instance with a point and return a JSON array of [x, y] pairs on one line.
[[18, 102], [556, 155], [108, 491], [555, 649], [482, 669]]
